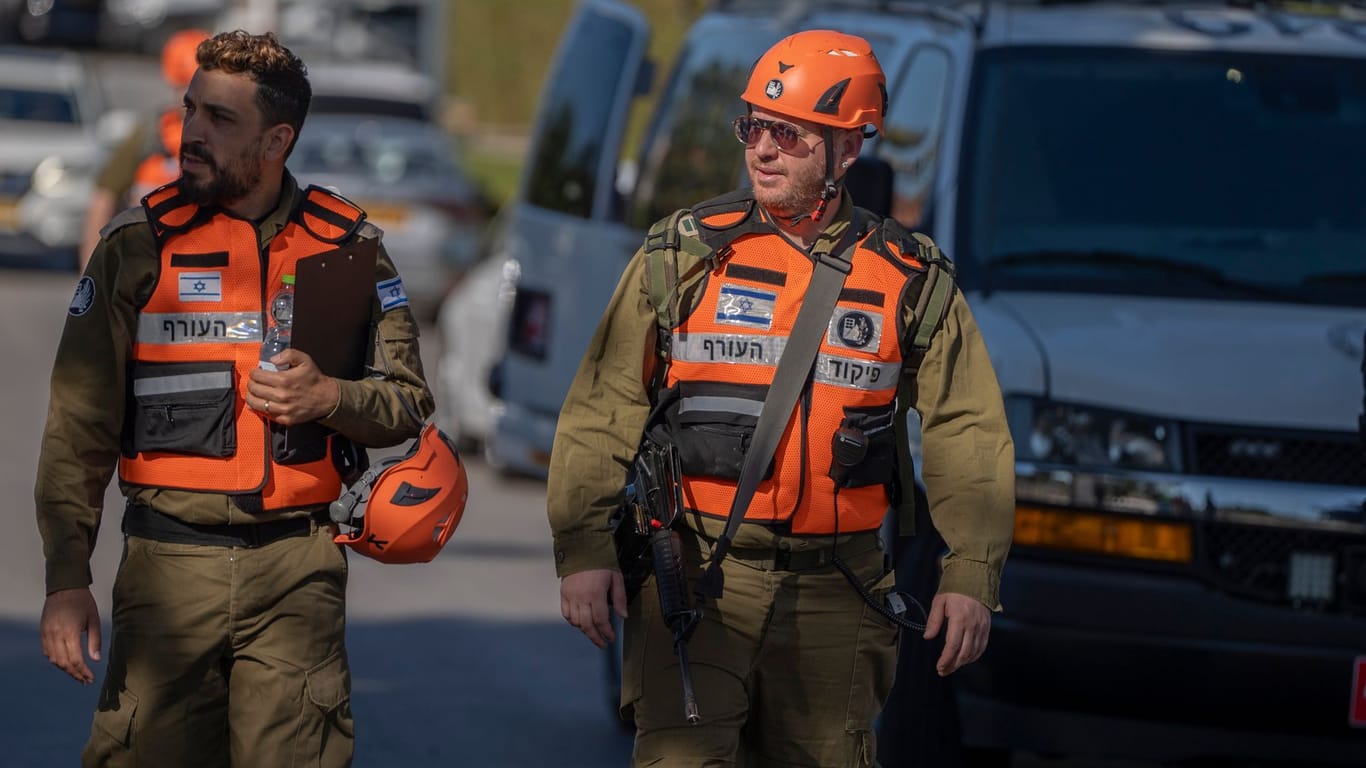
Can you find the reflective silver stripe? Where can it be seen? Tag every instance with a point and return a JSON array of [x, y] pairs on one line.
[[198, 327], [869, 375], [188, 382], [746, 348], [717, 404]]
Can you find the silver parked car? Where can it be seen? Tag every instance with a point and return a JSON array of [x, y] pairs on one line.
[[408, 177]]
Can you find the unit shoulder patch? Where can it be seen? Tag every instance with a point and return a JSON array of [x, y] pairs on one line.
[[84, 298]]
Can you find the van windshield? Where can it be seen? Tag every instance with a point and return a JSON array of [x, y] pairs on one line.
[[1213, 174]]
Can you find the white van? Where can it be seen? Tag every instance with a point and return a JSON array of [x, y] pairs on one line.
[[1158, 215]]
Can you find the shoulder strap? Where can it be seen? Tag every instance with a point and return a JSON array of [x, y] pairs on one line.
[[794, 369], [934, 296], [931, 306], [328, 216]]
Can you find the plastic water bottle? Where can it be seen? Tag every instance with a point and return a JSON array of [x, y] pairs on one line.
[[280, 324]]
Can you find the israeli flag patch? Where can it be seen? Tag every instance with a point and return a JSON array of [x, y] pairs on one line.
[[391, 293], [201, 286], [749, 307]]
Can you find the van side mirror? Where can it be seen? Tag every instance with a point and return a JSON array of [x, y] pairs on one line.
[[869, 182]]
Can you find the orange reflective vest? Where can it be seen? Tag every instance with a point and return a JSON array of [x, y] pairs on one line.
[[161, 165], [725, 349], [197, 339]]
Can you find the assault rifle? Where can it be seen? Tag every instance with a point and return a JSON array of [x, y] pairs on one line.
[[646, 540]]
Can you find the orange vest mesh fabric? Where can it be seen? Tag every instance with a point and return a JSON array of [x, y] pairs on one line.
[[800, 491], [172, 329]]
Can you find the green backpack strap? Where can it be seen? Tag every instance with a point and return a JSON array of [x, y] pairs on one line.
[[931, 306], [674, 255]]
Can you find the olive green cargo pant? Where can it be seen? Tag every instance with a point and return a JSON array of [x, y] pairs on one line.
[[790, 668], [226, 656]]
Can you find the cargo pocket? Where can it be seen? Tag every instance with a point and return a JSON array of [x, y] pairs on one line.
[[184, 408], [875, 658], [639, 613], [874, 463], [114, 719], [712, 423], [326, 730]]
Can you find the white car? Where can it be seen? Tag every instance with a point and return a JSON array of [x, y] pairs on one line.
[[473, 326], [56, 131]]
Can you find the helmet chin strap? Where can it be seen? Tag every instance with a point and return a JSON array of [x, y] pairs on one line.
[[831, 189]]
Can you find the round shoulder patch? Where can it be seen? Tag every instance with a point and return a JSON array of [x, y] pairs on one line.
[[84, 298]]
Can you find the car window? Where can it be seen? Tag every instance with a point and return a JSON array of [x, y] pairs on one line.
[[373, 151], [911, 133], [692, 153], [575, 118], [36, 106], [1167, 173], [367, 105]]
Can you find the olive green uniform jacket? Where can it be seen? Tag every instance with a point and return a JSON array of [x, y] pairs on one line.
[[85, 415], [968, 458]]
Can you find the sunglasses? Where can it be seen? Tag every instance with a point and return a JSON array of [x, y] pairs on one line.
[[750, 129]]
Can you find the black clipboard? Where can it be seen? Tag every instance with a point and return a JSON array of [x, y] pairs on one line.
[[334, 294]]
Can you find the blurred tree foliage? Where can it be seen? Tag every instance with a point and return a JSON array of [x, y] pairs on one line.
[[500, 52]]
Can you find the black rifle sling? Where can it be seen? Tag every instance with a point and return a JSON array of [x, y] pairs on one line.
[[794, 369]]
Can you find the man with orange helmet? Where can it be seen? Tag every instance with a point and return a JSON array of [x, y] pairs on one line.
[[149, 156], [795, 650], [229, 605]]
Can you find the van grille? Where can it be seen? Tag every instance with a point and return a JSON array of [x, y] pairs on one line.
[[1328, 458], [1310, 571]]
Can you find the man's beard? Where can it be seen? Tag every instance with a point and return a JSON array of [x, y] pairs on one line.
[[224, 185], [799, 196]]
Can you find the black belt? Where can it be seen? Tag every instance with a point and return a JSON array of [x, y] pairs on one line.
[[780, 559], [148, 523]]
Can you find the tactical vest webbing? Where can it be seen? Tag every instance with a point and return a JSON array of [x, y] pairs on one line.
[[720, 258]]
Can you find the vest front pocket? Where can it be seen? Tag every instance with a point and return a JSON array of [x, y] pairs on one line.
[[712, 424], [182, 408], [875, 461]]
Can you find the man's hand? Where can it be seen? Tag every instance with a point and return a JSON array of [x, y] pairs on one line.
[[295, 396], [583, 602], [969, 627], [67, 613]]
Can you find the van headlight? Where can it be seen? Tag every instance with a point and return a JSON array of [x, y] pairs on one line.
[[1084, 436]]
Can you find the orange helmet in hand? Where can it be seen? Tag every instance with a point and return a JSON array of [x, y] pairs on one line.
[[413, 502], [823, 76]]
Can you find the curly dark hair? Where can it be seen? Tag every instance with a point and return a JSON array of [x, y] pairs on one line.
[[282, 89]]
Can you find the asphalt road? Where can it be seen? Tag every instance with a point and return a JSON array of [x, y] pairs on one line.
[[463, 661]]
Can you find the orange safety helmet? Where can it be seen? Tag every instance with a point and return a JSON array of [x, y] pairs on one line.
[[413, 502], [823, 76], [178, 61]]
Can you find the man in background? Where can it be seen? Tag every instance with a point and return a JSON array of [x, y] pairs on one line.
[[149, 156]]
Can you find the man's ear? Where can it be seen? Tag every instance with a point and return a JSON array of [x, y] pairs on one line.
[[278, 141], [849, 144]]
